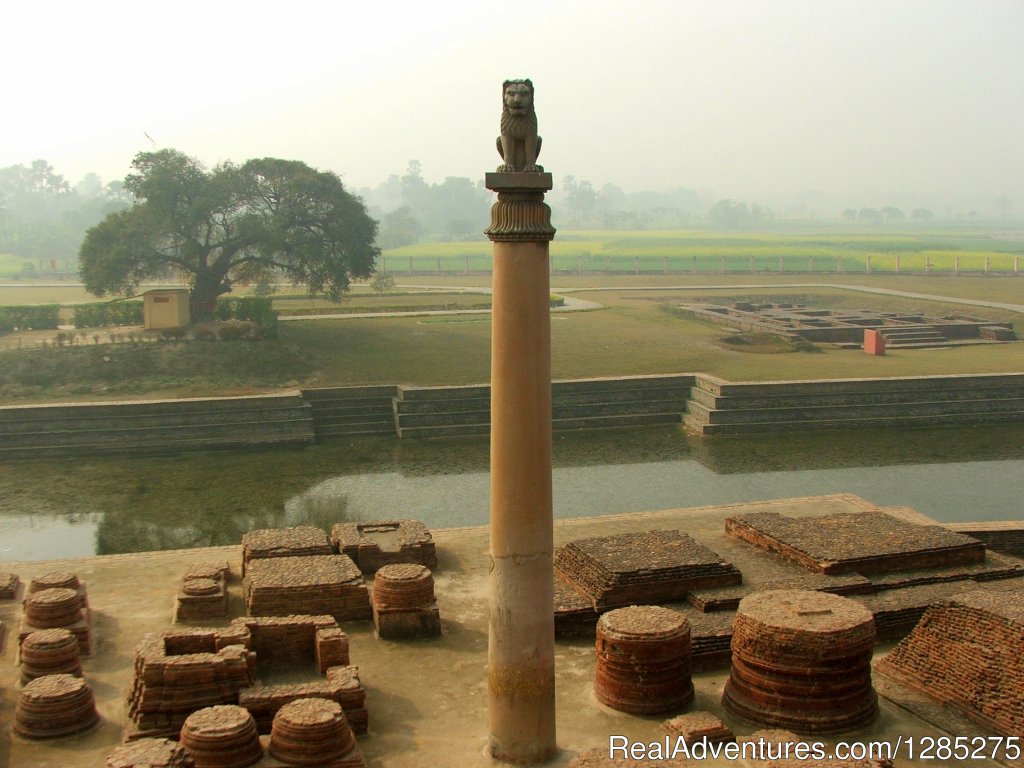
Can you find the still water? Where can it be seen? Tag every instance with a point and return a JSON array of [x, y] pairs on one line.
[[76, 506]]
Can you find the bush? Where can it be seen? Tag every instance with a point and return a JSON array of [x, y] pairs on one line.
[[104, 313], [240, 330], [29, 318], [256, 309], [205, 332]]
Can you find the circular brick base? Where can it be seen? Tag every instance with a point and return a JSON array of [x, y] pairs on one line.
[[802, 660], [643, 660]]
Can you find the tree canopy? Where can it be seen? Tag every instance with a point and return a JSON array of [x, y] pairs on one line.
[[232, 224]]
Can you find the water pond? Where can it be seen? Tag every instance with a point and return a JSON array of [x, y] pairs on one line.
[[83, 506]]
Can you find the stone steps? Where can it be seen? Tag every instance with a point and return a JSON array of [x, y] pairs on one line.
[[576, 404], [720, 407], [167, 426], [343, 411]]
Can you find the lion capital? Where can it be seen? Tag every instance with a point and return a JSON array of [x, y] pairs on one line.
[[518, 144]]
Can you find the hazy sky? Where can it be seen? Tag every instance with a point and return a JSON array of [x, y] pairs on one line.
[[871, 102]]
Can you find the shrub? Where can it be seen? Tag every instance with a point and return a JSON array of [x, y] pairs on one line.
[[30, 317], [257, 309], [240, 330], [104, 313], [205, 332]]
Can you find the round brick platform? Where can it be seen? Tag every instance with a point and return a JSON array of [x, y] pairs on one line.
[[311, 732], [801, 660], [49, 652], [200, 587], [643, 660], [150, 753], [54, 706], [403, 585], [56, 607], [222, 737], [54, 580]]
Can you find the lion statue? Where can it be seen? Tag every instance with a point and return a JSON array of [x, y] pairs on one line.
[[519, 144]]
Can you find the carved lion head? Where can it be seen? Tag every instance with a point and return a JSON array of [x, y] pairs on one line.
[[518, 96]]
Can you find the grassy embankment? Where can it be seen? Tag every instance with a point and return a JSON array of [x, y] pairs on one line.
[[636, 332]]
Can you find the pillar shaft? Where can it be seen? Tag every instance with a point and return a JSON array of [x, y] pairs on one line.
[[521, 655]]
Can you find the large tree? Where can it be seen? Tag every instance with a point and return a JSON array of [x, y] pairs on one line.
[[232, 224]]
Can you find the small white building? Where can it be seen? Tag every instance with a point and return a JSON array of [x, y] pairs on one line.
[[165, 308]]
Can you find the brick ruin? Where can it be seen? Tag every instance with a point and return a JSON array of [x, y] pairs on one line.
[[861, 542], [203, 594], [311, 584], [49, 652], [299, 541], [55, 706], [10, 586], [150, 753], [314, 732], [223, 736], [377, 543], [802, 661], [700, 726], [58, 600], [640, 568], [846, 327], [966, 654], [403, 602], [643, 660], [182, 671]]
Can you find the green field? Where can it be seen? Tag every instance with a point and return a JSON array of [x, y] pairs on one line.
[[636, 332], [706, 251]]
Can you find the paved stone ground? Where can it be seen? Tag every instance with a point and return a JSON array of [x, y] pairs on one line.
[[426, 698]]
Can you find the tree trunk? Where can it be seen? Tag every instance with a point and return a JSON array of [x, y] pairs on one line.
[[203, 298]]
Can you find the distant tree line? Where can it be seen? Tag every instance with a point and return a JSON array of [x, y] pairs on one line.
[[43, 218]]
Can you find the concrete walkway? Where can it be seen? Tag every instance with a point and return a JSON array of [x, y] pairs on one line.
[[571, 305]]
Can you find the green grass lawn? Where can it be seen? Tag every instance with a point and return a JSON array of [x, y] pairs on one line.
[[636, 333]]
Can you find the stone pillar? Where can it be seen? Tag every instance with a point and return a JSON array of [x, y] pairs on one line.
[[521, 654]]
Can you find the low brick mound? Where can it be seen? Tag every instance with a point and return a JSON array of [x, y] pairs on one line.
[[728, 598], [314, 732], [966, 654], [150, 753], [49, 652], [314, 585], [897, 611], [54, 706], [641, 568], [802, 661], [222, 737], [574, 612], [643, 660], [995, 567], [403, 602], [55, 580], [700, 726], [10, 584], [860, 542], [204, 592], [177, 673], [377, 543], [711, 639], [58, 607], [291, 641], [300, 541], [342, 685]]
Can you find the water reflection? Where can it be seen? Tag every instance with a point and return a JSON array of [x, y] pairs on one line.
[[107, 505]]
